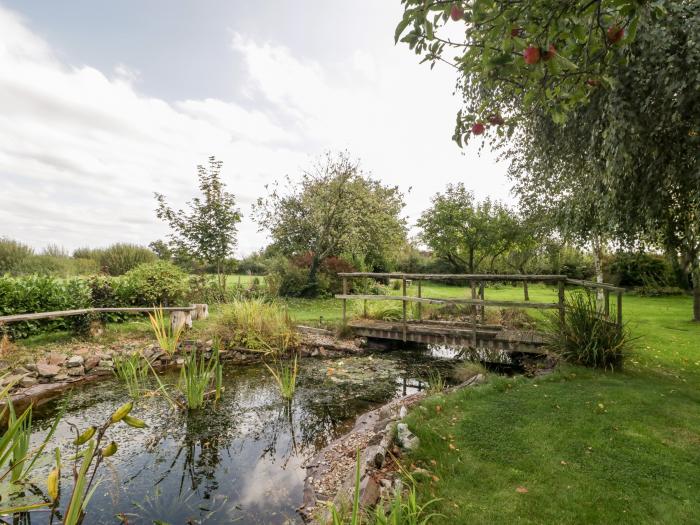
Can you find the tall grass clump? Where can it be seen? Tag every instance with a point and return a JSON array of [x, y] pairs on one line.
[[200, 378], [167, 338], [255, 324], [587, 337], [285, 375], [436, 382], [403, 508], [119, 258], [132, 370]]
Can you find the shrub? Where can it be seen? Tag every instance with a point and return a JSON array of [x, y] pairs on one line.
[[639, 269], [255, 324], [12, 253], [657, 291], [119, 258], [586, 337], [155, 283]]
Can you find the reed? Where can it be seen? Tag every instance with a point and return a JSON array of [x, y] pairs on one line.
[[168, 338], [132, 370], [285, 375], [198, 377], [436, 383]]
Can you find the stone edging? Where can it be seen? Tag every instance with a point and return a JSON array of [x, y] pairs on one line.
[[330, 475]]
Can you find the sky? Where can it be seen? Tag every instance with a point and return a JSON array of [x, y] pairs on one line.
[[104, 103]]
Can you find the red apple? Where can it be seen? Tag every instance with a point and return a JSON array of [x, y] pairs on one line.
[[531, 54], [615, 34], [478, 128], [456, 12], [549, 54], [593, 82]]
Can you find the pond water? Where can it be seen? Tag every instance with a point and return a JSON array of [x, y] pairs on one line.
[[240, 462]]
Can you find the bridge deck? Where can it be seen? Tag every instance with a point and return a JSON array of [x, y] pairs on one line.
[[453, 334]]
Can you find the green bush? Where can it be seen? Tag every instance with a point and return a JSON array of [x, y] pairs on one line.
[[586, 337], [12, 254], [120, 258], [639, 269], [286, 279], [42, 294], [153, 284]]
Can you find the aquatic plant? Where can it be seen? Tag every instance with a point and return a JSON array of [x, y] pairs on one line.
[[285, 375], [255, 324], [89, 450], [436, 383], [132, 370], [200, 378], [168, 338]]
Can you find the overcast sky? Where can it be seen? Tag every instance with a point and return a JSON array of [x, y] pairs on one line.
[[104, 103]]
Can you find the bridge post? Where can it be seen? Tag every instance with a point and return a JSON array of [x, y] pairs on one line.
[[483, 308], [403, 301], [606, 304], [562, 301], [619, 309], [345, 306], [420, 305]]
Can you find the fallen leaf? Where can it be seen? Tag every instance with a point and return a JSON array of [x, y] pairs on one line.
[[438, 408], [521, 490], [564, 462]]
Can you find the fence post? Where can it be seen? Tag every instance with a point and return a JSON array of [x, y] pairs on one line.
[[345, 301], [403, 301], [606, 304], [619, 309], [562, 302], [475, 312], [483, 307]]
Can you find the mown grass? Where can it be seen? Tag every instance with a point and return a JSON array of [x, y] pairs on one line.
[[578, 446]]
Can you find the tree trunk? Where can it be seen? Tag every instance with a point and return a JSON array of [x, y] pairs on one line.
[[696, 295], [313, 272], [471, 260], [598, 265], [527, 291]]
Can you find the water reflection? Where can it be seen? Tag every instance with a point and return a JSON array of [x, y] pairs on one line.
[[242, 460]]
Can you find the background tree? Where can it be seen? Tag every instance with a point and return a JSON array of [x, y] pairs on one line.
[[465, 232], [334, 209], [161, 249], [512, 57], [208, 231]]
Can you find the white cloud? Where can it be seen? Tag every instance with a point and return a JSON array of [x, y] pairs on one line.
[[81, 153]]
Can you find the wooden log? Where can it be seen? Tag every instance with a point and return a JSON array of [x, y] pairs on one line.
[[179, 320], [201, 311]]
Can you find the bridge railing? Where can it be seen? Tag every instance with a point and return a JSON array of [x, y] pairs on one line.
[[477, 285]]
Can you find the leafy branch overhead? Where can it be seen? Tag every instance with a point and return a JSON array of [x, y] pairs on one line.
[[513, 56]]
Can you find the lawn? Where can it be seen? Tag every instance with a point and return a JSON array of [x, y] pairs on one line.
[[577, 446]]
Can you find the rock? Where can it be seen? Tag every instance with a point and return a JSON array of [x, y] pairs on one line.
[[386, 483], [47, 370], [405, 438], [402, 412], [30, 366], [369, 491], [91, 362], [20, 370], [102, 370], [28, 381], [55, 359], [75, 371], [61, 377], [420, 473], [14, 378], [106, 363], [180, 361], [82, 351], [75, 361]]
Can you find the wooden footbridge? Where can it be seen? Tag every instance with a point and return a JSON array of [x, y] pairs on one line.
[[473, 332]]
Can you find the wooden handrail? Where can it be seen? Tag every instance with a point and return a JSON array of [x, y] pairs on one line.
[[455, 276], [68, 313], [433, 300], [593, 284]]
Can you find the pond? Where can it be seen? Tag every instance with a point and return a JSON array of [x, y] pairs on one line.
[[242, 461]]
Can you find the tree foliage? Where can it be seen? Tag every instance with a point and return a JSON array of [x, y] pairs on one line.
[[512, 57], [208, 231], [334, 209], [464, 232]]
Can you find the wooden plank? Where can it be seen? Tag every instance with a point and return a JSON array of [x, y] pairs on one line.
[[483, 308], [430, 300]]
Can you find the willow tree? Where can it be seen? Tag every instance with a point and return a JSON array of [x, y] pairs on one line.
[[333, 209]]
